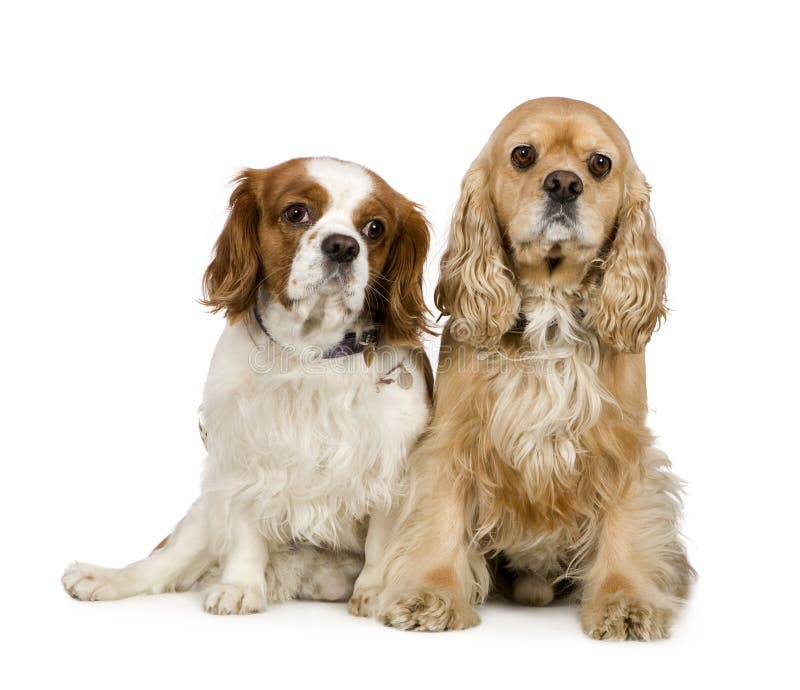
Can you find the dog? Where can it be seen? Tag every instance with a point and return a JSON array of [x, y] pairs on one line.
[[538, 457], [317, 391]]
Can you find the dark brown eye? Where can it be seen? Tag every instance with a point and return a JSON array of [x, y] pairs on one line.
[[599, 165], [296, 214], [523, 156], [373, 229]]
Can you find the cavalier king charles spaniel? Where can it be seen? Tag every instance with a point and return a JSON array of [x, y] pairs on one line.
[[538, 463], [317, 391]]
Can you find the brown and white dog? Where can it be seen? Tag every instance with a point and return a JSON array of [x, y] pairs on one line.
[[316, 393], [538, 451]]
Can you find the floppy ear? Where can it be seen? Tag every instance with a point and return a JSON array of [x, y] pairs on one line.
[[405, 310], [476, 284], [232, 277], [630, 302]]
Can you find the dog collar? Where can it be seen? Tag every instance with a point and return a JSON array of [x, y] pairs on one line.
[[351, 344]]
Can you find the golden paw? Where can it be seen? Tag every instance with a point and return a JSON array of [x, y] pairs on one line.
[[432, 611], [622, 617]]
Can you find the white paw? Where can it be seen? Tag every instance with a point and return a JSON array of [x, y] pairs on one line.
[[364, 601], [223, 599], [92, 582]]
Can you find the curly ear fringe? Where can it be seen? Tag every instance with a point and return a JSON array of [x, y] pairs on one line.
[[405, 317], [476, 285], [631, 299], [232, 277]]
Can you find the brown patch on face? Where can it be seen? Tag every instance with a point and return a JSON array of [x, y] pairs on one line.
[[258, 244], [396, 261], [279, 188], [382, 206]]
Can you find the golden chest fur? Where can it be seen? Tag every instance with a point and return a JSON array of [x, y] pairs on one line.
[[541, 400]]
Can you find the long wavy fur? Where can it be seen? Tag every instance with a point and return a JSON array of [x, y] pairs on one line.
[[476, 286], [631, 299]]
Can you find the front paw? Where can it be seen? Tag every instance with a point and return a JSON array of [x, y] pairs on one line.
[[223, 599], [624, 617], [92, 582], [432, 611], [364, 601]]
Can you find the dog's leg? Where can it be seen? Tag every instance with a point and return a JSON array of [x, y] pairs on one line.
[[432, 577], [242, 585], [531, 589], [303, 571], [174, 565], [532, 574], [369, 582], [639, 574]]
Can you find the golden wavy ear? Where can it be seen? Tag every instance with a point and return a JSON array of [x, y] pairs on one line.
[[631, 299], [405, 315], [232, 277], [476, 284]]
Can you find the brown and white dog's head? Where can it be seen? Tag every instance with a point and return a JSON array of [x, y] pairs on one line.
[[555, 200], [324, 246]]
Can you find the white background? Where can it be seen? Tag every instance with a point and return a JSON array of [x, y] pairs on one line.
[[120, 130]]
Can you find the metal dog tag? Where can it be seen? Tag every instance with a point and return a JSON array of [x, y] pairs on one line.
[[405, 380]]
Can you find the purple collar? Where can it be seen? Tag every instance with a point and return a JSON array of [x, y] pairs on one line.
[[351, 344]]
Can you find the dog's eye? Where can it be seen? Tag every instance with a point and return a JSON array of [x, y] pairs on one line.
[[296, 214], [599, 165], [523, 156], [373, 229]]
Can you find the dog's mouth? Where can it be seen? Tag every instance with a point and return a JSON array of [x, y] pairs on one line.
[[560, 217], [335, 280], [337, 273]]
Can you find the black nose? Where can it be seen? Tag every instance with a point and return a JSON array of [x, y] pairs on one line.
[[563, 185], [340, 248]]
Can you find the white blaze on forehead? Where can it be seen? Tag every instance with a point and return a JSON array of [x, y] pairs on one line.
[[310, 282], [347, 184]]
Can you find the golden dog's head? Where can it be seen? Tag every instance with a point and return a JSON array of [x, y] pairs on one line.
[[555, 200]]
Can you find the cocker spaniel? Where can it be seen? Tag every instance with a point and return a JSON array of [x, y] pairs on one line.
[[538, 455], [316, 393]]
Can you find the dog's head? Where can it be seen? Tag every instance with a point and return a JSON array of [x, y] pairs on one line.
[[554, 199], [320, 230]]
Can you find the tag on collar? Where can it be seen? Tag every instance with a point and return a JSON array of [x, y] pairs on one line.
[[405, 380]]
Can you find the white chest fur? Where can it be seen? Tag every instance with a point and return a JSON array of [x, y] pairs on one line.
[[550, 393], [314, 445]]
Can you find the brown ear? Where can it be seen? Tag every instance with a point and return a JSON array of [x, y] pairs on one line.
[[405, 317], [476, 285], [232, 277], [631, 299]]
